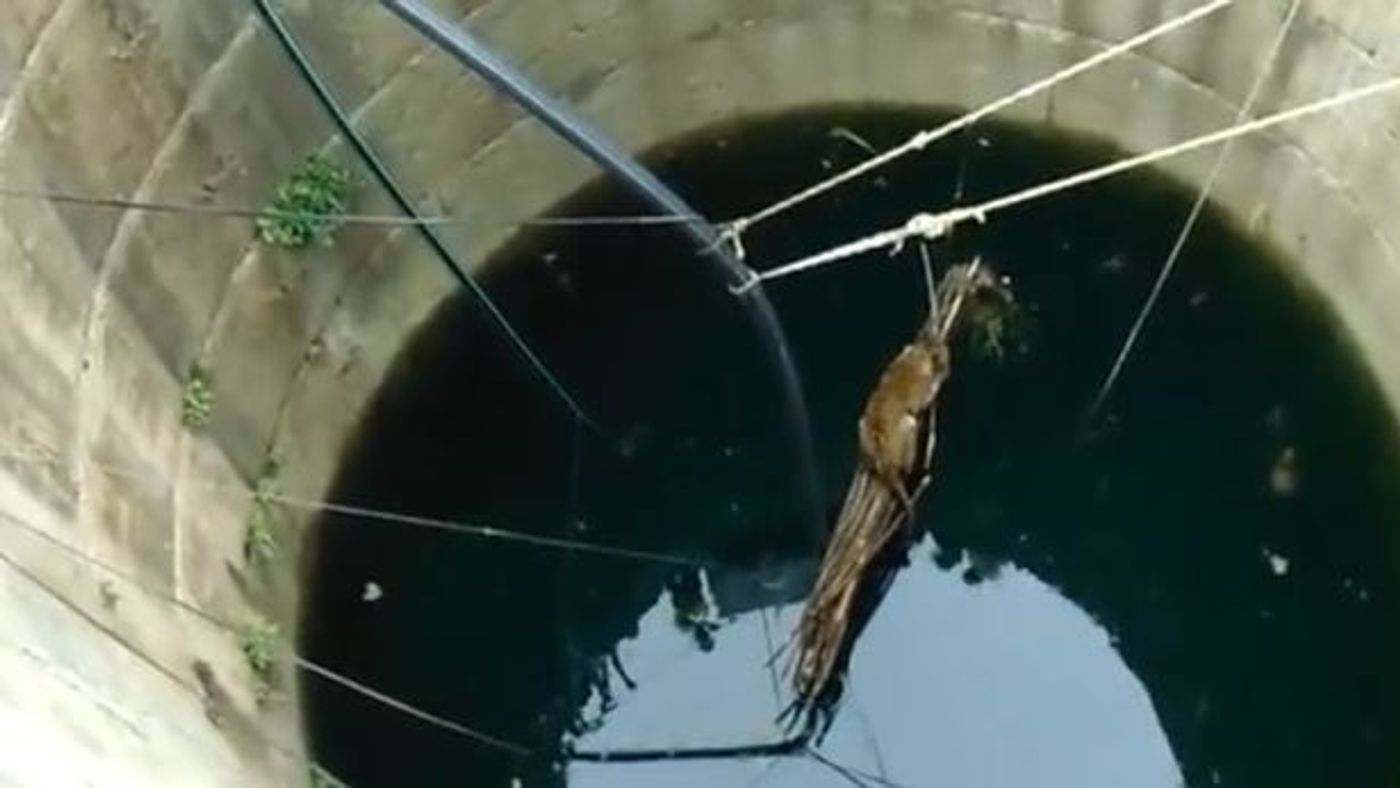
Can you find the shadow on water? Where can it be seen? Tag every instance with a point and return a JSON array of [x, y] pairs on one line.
[[1197, 585]]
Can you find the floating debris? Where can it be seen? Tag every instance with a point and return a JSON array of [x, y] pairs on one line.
[[1277, 563], [1283, 477], [373, 592], [1115, 264], [635, 440], [841, 132]]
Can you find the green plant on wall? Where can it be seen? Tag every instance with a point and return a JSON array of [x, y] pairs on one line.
[[197, 399], [259, 542], [258, 640], [305, 203]]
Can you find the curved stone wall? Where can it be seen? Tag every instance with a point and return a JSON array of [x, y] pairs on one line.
[[103, 312]]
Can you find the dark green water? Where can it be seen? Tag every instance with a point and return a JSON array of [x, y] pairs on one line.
[[1144, 598]]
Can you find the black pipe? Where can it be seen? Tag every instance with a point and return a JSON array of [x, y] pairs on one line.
[[797, 745], [594, 144], [376, 166]]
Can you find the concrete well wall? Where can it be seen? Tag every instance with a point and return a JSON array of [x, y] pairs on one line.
[[102, 312]]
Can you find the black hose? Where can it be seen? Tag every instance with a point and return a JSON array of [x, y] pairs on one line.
[[376, 166], [592, 143], [797, 745]]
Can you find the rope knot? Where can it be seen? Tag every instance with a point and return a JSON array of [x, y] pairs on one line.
[[929, 226], [750, 279]]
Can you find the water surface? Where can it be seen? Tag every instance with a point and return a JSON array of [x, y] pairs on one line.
[[1196, 585]]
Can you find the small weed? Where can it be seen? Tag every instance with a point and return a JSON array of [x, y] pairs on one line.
[[304, 205], [259, 643], [259, 543], [197, 399], [271, 467]]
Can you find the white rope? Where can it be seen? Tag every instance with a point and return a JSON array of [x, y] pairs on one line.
[[47, 457], [1266, 69], [484, 531], [934, 225], [132, 581], [394, 220], [411, 710], [733, 230]]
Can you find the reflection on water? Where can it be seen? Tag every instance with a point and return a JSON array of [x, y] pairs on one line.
[[1003, 683], [1231, 520]]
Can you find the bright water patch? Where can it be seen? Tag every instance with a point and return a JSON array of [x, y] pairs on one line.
[[1001, 684]]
